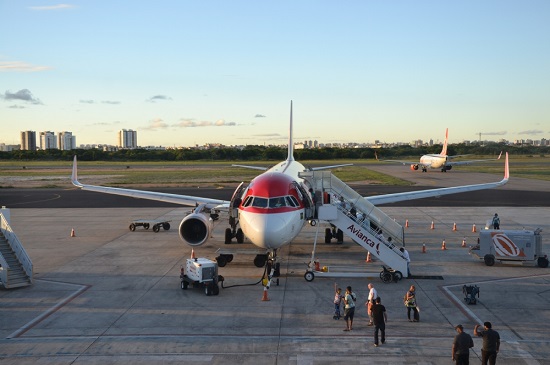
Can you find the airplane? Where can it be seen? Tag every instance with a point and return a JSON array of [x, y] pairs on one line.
[[438, 161], [271, 211]]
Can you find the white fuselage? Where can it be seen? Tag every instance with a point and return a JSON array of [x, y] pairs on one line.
[[433, 161]]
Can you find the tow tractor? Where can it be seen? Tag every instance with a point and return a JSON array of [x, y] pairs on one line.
[[510, 246], [147, 223], [201, 273]]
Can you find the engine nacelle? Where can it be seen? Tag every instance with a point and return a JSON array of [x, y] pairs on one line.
[[195, 229], [414, 167]]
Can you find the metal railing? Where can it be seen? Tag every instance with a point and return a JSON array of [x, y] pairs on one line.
[[17, 248]]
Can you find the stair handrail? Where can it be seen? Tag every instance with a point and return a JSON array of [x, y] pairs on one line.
[[327, 182], [17, 248]]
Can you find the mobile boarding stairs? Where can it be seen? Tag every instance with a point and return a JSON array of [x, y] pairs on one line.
[[15, 265], [359, 219]]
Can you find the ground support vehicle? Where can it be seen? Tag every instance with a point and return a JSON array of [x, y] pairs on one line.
[[147, 223], [201, 273], [510, 246]]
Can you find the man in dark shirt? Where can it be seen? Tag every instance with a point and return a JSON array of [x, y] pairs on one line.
[[461, 346], [379, 318], [491, 343]]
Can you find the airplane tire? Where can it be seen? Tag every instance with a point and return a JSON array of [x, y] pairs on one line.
[[228, 236], [489, 260], [260, 260], [309, 276], [222, 260], [132, 227], [240, 236]]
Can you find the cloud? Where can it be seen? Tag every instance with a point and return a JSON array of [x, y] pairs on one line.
[[20, 66], [156, 98], [501, 133], [531, 132], [110, 102], [277, 135], [23, 95], [156, 124], [259, 116], [52, 7], [87, 101], [16, 107], [191, 123]]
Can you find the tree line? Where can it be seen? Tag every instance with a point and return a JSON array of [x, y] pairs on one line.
[[267, 153]]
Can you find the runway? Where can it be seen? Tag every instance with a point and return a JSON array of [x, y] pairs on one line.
[[111, 296]]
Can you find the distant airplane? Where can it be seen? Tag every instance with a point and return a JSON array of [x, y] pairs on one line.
[[272, 210], [438, 161]]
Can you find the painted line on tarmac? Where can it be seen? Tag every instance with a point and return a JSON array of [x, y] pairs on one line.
[[81, 289]]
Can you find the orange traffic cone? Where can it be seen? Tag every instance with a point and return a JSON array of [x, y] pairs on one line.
[[423, 248], [432, 226], [193, 253], [464, 242], [474, 228], [72, 233], [454, 226], [264, 297], [368, 258], [443, 246], [407, 223]]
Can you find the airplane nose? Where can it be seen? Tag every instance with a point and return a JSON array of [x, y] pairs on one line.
[[266, 230]]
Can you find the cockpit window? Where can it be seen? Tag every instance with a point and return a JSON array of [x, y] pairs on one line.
[[248, 201], [277, 202], [260, 202], [296, 204]]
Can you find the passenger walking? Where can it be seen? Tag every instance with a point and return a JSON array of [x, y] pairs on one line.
[[408, 258], [349, 309], [337, 301], [380, 319], [461, 346], [410, 303], [496, 222], [491, 343], [373, 294]]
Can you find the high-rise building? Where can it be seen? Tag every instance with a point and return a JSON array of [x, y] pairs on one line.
[[28, 140], [47, 140], [127, 138], [66, 141]]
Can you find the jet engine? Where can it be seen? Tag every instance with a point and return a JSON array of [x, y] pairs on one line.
[[195, 229], [414, 167]]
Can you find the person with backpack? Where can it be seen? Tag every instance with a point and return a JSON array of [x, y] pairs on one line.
[[349, 309], [410, 303]]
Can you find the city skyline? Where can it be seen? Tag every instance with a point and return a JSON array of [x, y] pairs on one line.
[[185, 74]]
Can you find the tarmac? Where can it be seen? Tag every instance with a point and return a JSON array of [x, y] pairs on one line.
[[112, 296]]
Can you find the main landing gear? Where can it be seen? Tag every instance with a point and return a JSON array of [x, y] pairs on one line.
[[334, 232]]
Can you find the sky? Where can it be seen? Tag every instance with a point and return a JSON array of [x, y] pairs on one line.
[[183, 73]]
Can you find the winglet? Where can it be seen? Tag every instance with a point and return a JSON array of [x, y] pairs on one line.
[[506, 169], [74, 176], [500, 154]]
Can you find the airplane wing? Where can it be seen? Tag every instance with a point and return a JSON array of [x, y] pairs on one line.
[[401, 161], [457, 163], [252, 167], [150, 195], [397, 197], [330, 167]]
